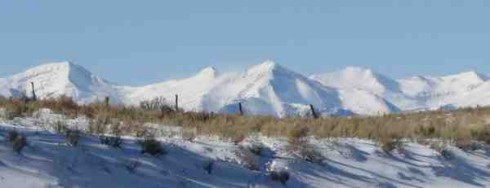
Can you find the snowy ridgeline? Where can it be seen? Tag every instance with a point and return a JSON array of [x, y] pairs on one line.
[[48, 161], [265, 89]]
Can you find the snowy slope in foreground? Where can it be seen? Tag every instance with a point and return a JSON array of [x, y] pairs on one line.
[[49, 162]]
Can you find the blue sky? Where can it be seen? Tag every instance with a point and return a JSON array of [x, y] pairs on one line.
[[139, 42]]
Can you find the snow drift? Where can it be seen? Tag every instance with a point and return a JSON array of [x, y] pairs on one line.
[[48, 161]]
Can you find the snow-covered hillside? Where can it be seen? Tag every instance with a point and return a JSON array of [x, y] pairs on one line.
[[453, 90], [267, 89], [358, 78], [271, 89], [48, 161], [468, 89], [56, 79], [191, 90]]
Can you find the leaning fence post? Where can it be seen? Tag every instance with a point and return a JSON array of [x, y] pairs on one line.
[[34, 97], [313, 111], [240, 108]]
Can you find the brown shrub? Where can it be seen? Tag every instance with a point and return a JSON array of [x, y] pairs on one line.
[[12, 135], [157, 104], [208, 166], [467, 123], [73, 137], [188, 134], [152, 147], [310, 154], [19, 143], [390, 144], [248, 159], [256, 149], [17, 140], [111, 141], [280, 176], [62, 104], [296, 135]]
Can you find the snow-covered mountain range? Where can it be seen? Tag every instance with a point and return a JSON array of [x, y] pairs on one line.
[[266, 89]]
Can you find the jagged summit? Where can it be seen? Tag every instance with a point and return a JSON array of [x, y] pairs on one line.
[[54, 65], [208, 72], [357, 78], [56, 79], [357, 70], [448, 90], [472, 76], [267, 67], [57, 67], [271, 89], [64, 69]]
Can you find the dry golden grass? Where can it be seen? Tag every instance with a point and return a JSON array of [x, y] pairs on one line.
[[462, 124]]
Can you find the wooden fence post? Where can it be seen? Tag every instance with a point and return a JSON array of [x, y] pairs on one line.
[[176, 103], [313, 112], [34, 97], [240, 108], [107, 101]]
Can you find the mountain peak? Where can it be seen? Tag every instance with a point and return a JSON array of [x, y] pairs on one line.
[[266, 67], [269, 63], [63, 66], [469, 76], [58, 78], [357, 69], [351, 74], [357, 77], [208, 72]]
